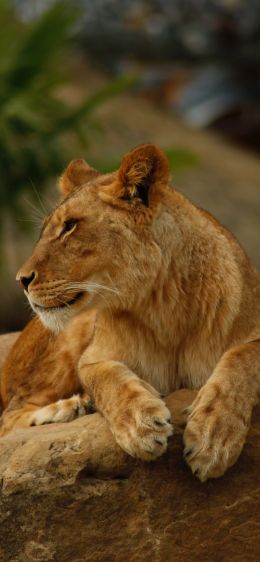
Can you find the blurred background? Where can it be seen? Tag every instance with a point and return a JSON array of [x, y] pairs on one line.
[[94, 78]]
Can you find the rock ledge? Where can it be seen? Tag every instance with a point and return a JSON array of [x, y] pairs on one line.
[[69, 494]]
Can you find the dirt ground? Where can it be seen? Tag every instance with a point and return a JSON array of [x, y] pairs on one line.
[[224, 180]]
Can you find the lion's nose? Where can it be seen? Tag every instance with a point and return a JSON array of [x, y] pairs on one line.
[[25, 281]]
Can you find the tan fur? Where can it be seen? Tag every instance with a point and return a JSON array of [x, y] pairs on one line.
[[152, 294]]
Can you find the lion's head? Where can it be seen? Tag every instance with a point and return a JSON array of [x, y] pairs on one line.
[[100, 246]]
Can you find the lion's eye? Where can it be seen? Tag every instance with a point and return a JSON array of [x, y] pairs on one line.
[[69, 225]]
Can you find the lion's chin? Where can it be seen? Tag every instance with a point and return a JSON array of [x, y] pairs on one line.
[[56, 318]]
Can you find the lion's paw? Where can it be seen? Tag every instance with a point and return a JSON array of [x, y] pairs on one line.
[[61, 411], [142, 430], [214, 436]]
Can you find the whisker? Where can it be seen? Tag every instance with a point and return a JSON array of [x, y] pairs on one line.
[[93, 288], [35, 222], [37, 212], [39, 198], [90, 286], [108, 304], [115, 289], [61, 301]]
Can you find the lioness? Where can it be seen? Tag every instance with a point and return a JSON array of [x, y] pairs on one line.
[[158, 296]]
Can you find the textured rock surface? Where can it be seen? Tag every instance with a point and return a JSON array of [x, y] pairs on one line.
[[69, 494]]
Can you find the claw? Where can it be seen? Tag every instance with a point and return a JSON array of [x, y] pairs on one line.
[[159, 441], [187, 452], [160, 423]]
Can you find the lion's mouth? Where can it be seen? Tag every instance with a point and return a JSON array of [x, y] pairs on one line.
[[72, 301]]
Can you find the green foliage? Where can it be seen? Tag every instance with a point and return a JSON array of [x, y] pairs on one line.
[[34, 121], [179, 158]]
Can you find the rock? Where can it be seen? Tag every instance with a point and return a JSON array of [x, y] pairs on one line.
[[69, 494], [46, 457]]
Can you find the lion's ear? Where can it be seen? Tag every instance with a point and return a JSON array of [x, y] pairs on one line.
[[76, 174], [140, 169]]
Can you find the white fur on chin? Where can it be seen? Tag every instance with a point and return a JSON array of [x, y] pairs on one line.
[[55, 320]]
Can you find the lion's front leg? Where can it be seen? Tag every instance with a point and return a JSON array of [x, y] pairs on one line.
[[219, 418], [137, 417], [29, 414]]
